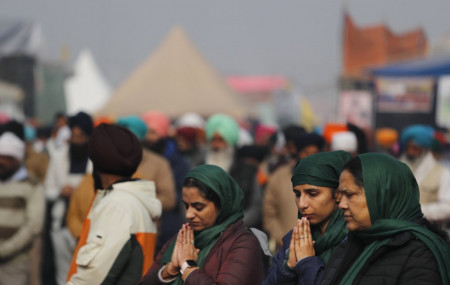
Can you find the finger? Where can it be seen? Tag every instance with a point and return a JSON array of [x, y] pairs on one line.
[[185, 238], [292, 259], [303, 229], [300, 242], [296, 234], [308, 234], [180, 236], [191, 235]]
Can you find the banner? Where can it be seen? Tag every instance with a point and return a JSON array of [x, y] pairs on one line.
[[443, 102], [355, 106], [404, 95]]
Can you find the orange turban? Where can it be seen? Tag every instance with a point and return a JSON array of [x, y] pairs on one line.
[[386, 136]]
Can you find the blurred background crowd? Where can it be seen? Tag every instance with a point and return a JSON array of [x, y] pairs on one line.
[[392, 96]]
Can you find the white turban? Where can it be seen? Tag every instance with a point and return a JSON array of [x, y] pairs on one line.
[[11, 145], [344, 141]]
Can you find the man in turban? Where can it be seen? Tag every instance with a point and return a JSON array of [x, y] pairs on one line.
[[119, 246], [222, 136], [433, 178], [68, 164], [22, 205], [153, 167]]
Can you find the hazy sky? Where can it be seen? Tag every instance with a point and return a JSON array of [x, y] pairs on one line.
[[298, 39]]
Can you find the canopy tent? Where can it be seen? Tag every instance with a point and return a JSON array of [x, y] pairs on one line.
[[20, 38], [435, 66], [87, 90], [21, 44], [175, 79]]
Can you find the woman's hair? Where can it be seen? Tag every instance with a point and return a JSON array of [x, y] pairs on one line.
[[354, 166], [205, 191]]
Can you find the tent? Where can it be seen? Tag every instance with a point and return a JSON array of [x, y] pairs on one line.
[[20, 38], [175, 79], [87, 90], [21, 43]]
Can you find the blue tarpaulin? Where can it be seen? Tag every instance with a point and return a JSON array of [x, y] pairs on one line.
[[436, 66]]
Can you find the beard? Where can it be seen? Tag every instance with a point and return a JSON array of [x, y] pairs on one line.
[[78, 151], [157, 146], [414, 161], [6, 173], [222, 158], [97, 180]]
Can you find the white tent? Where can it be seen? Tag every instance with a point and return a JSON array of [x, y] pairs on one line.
[[175, 79], [87, 90], [20, 38]]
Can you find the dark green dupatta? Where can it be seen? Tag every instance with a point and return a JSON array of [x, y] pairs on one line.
[[392, 197], [323, 170], [231, 201]]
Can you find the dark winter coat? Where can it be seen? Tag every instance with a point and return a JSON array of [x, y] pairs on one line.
[[405, 260], [236, 258]]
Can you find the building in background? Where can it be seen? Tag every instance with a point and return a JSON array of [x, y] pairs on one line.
[[364, 48]]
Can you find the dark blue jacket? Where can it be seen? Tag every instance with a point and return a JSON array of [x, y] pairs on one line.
[[306, 271]]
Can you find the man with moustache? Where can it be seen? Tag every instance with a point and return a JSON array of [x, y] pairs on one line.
[[222, 135], [22, 209], [433, 178], [67, 166]]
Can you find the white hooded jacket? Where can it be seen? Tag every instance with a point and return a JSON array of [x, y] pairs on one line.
[[118, 218]]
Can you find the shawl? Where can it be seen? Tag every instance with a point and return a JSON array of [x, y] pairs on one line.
[[231, 209], [392, 197], [323, 169]]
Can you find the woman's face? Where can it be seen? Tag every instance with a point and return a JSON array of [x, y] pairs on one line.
[[200, 212], [315, 203], [353, 203]]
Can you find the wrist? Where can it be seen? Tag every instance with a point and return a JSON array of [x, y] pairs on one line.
[[188, 271], [172, 270], [288, 267], [190, 263]]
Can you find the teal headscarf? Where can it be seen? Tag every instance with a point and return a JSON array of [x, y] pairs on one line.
[[323, 170], [231, 209], [225, 126], [392, 197], [135, 124]]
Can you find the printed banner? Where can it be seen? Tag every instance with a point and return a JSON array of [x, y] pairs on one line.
[[443, 102], [355, 106], [404, 95]]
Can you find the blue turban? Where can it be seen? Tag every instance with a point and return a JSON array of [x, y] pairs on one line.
[[422, 135]]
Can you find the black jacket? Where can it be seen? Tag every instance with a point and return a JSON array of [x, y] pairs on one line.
[[405, 260]]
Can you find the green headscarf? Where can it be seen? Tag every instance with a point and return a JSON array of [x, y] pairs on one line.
[[231, 209], [392, 197], [225, 126], [323, 170]]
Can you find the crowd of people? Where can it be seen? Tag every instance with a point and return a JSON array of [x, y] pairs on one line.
[[150, 200]]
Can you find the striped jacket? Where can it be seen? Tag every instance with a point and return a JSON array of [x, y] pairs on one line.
[[118, 239], [22, 207]]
